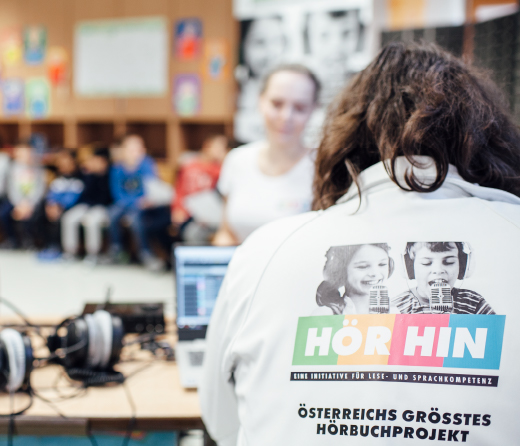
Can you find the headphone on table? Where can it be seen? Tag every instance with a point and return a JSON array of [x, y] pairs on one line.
[[16, 359], [90, 347], [88, 350]]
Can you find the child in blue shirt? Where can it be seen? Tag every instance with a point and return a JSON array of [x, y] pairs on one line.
[[127, 185]]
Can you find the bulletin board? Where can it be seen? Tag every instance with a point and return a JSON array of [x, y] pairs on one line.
[[127, 57]]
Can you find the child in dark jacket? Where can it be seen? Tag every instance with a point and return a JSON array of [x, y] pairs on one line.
[[91, 211], [64, 192]]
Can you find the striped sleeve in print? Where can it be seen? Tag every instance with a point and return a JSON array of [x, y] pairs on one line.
[[469, 302], [406, 303]]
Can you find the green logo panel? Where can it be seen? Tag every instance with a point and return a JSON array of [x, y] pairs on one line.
[[311, 335]]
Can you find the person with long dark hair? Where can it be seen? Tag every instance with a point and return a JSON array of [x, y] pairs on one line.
[[419, 148]]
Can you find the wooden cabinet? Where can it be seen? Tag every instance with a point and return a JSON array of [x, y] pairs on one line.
[[99, 132], [54, 131], [9, 133], [165, 139], [75, 120]]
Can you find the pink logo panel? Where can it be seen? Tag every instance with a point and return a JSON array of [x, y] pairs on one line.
[[417, 335]]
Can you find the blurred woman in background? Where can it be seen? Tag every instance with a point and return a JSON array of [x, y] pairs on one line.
[[267, 180]]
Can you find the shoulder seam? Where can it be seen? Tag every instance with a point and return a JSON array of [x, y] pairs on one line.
[[486, 204]]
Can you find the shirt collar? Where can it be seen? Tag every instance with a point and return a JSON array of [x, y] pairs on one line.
[[377, 176]]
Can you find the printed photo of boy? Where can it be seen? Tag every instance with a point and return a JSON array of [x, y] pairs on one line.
[[436, 269]]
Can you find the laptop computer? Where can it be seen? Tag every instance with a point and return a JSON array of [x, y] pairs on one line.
[[199, 272]]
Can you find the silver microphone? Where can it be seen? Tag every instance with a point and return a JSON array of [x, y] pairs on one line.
[[379, 302], [441, 300]]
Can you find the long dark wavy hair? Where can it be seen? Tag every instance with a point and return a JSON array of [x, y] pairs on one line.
[[417, 99]]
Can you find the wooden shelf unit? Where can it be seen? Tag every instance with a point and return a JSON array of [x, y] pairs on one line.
[[9, 133], [193, 133], [153, 133], [54, 131], [95, 131], [165, 139]]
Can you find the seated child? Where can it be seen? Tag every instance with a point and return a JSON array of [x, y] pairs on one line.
[[199, 174], [64, 193], [91, 211], [127, 185], [442, 263], [25, 191], [5, 164]]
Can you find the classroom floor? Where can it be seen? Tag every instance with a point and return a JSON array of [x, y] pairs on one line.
[[62, 288]]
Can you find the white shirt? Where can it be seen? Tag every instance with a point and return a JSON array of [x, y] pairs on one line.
[[254, 198], [271, 380]]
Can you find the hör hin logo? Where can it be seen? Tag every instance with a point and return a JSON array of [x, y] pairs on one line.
[[427, 340]]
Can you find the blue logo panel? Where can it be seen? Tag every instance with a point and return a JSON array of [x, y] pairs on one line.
[[476, 341]]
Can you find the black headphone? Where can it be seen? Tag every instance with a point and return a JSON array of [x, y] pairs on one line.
[[93, 342], [16, 360]]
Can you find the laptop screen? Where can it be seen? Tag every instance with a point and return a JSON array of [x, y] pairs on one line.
[[199, 272]]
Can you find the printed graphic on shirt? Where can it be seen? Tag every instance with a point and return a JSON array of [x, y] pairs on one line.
[[433, 340], [355, 280], [293, 205], [404, 337], [383, 304], [132, 184]]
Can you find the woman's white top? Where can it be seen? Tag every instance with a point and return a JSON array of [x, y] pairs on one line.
[[254, 198], [277, 375]]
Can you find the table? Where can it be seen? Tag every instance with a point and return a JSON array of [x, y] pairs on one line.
[[161, 403]]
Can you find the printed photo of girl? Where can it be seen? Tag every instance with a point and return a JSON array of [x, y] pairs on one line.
[[355, 280]]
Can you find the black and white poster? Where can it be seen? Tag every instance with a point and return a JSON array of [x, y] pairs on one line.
[[361, 279], [331, 38]]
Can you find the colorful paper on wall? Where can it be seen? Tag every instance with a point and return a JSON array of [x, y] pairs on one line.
[[37, 97], [187, 94], [11, 45], [405, 14], [57, 59], [216, 62], [35, 43], [12, 96], [188, 39]]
